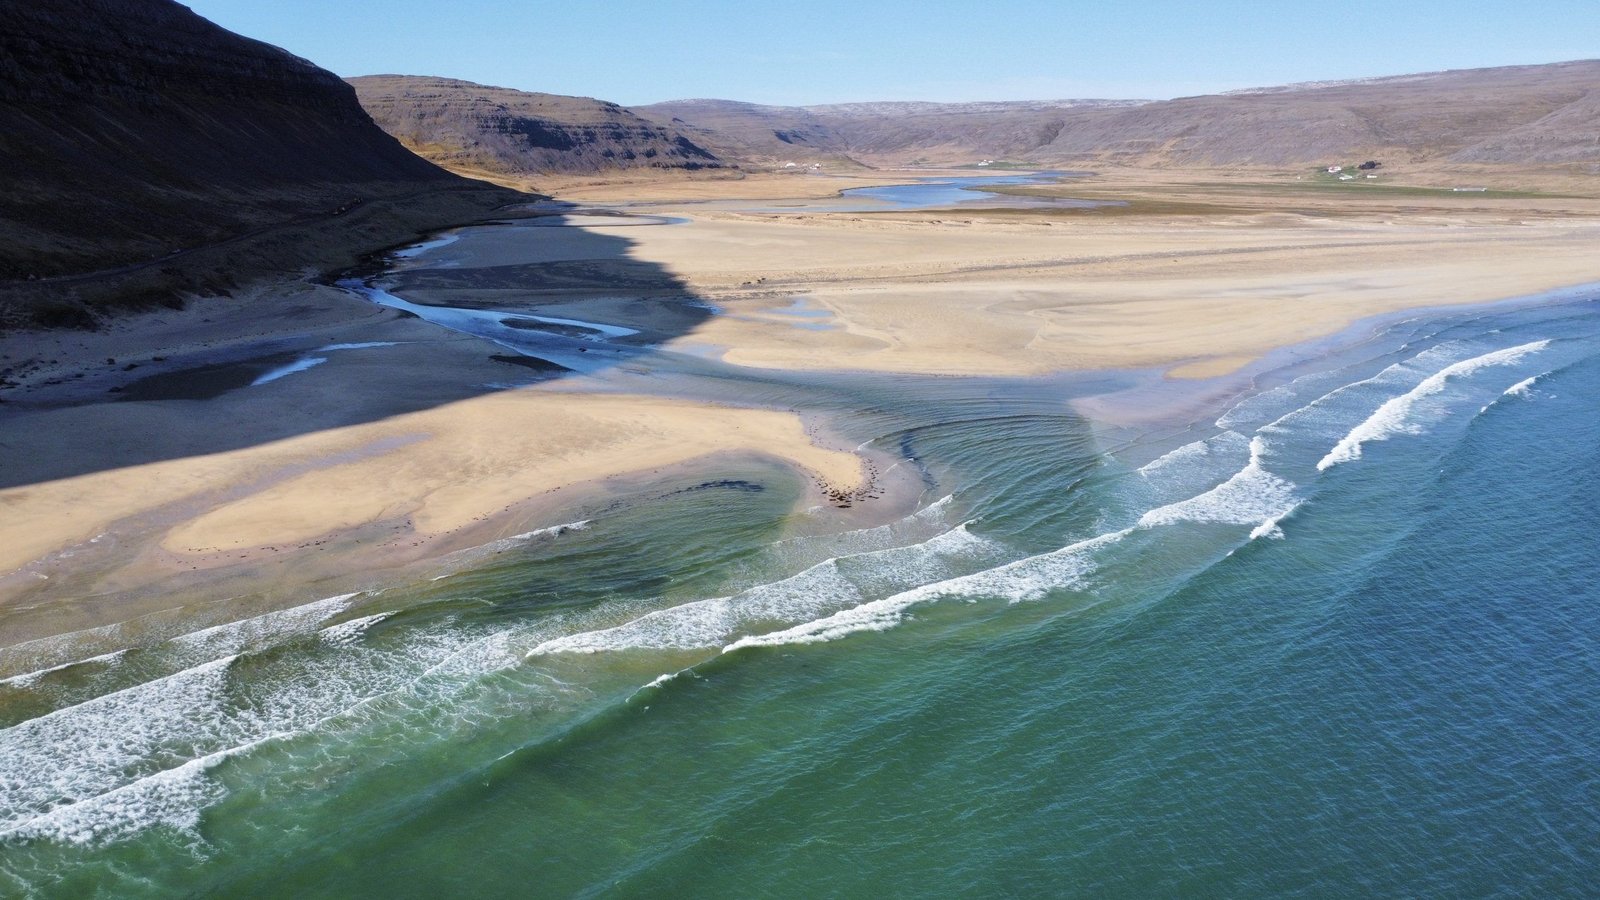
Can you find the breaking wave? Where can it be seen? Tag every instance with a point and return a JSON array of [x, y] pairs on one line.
[[1394, 416]]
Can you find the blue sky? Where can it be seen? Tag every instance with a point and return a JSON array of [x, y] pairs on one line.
[[824, 51]]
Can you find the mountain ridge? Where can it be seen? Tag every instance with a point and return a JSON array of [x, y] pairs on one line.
[[468, 126], [1545, 113]]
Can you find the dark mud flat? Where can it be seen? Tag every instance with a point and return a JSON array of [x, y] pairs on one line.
[[203, 382], [532, 363]]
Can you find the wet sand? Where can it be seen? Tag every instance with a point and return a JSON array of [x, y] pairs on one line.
[[381, 456], [966, 292]]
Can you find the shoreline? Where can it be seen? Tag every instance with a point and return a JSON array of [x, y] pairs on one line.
[[218, 586], [423, 413]]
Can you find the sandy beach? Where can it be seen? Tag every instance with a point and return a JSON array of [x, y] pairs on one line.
[[993, 291], [405, 440]]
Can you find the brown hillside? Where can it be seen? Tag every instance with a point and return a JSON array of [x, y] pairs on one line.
[[1515, 114], [498, 130]]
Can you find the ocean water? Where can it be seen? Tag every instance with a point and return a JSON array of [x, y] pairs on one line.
[[1339, 634]]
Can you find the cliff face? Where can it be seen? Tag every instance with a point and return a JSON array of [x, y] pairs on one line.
[[134, 129], [507, 132]]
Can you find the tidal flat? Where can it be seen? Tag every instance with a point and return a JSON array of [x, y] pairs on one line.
[[757, 572]]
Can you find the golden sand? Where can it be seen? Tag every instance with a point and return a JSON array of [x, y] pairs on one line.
[[438, 470]]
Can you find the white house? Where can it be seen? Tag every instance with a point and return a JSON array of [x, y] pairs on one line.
[[1334, 170]]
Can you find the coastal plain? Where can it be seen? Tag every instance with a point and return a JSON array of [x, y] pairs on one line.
[[1196, 275], [414, 441]]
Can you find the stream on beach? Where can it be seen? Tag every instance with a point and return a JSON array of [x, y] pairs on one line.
[[1333, 629]]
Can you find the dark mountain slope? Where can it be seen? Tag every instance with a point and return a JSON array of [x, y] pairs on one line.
[[130, 129]]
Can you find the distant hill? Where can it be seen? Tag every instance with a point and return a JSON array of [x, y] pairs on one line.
[[134, 130], [495, 130], [1514, 114], [872, 132], [751, 131]]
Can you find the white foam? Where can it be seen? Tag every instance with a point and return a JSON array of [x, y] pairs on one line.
[[1189, 468], [1393, 417], [1271, 526], [1025, 579], [659, 680], [816, 591], [120, 762], [234, 637], [114, 740], [1253, 496], [460, 560], [360, 345], [1272, 402], [299, 365], [171, 797], [63, 646], [195, 646], [1283, 402], [708, 623], [1521, 388], [1187, 453], [919, 526], [552, 530], [345, 634], [28, 679]]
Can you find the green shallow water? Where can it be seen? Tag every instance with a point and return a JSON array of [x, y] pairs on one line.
[[1338, 635]]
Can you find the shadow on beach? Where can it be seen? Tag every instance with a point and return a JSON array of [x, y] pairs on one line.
[[510, 303]]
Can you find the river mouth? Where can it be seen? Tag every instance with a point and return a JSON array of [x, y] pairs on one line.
[[939, 192], [450, 278], [1194, 619]]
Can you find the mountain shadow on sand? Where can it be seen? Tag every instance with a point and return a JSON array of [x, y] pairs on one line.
[[517, 303]]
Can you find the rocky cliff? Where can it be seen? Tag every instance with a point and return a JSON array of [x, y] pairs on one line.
[[500, 131]]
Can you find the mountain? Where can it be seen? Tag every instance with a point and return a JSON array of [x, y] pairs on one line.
[[751, 131], [132, 131], [888, 132], [500, 131], [1513, 114], [1544, 114]]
